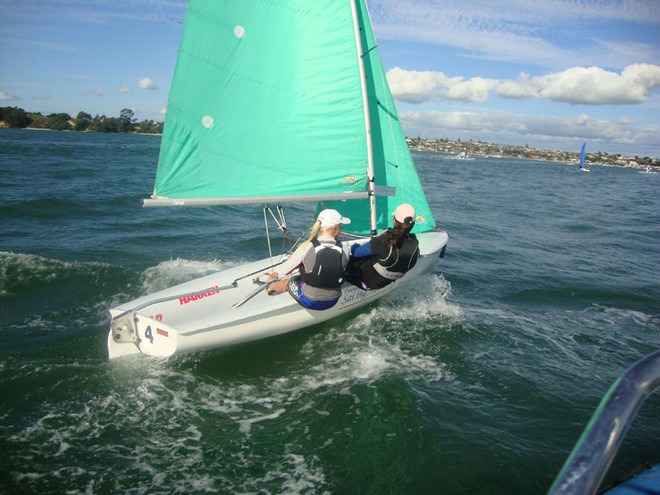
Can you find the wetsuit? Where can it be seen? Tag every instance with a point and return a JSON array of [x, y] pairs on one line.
[[385, 264], [321, 273]]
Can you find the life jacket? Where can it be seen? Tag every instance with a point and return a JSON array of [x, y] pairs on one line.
[[328, 269], [399, 260]]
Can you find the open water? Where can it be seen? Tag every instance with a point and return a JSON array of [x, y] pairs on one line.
[[477, 379]]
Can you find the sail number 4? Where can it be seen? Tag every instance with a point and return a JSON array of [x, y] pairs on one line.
[[148, 333]]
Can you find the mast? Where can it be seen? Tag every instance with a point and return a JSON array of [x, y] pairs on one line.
[[371, 181]]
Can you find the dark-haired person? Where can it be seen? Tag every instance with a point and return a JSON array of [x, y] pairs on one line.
[[388, 256]]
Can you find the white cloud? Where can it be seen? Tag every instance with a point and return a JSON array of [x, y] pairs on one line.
[[587, 85], [577, 85], [147, 83], [7, 97], [417, 87], [475, 89], [124, 89]]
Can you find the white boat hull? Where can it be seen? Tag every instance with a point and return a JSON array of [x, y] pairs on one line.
[[234, 310]]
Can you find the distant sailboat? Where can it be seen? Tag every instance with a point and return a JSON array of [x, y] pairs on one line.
[[582, 166], [465, 155]]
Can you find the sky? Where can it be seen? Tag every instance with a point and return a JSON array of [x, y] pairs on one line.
[[544, 73]]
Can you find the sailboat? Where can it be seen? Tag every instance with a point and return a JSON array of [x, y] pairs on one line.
[[465, 155], [274, 103], [582, 166]]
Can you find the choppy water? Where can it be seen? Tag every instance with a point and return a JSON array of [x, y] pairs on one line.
[[476, 379]]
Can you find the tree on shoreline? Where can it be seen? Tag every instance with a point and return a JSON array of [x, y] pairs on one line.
[[126, 123], [15, 117], [82, 121], [127, 120]]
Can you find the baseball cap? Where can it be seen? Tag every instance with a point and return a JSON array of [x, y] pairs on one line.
[[330, 218], [404, 211]]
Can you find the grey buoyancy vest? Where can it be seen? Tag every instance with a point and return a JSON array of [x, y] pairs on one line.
[[399, 260], [328, 270]]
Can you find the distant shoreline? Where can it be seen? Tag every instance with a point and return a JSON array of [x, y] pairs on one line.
[[543, 160], [87, 132], [126, 123], [482, 149], [473, 149]]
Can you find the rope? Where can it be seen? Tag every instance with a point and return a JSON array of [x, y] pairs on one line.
[[270, 251], [281, 224]]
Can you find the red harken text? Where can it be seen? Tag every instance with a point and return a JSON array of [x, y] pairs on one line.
[[186, 300]]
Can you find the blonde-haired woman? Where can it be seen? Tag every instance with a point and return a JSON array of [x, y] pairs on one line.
[[323, 259]]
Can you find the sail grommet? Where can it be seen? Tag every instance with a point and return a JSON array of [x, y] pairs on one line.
[[207, 121], [239, 31]]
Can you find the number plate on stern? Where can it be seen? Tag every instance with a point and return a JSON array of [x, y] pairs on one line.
[[154, 337]]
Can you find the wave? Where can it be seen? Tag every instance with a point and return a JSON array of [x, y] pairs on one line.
[[177, 271], [53, 306], [29, 274], [274, 410]]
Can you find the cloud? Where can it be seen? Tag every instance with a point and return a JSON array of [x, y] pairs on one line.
[[98, 12], [542, 131], [124, 89], [540, 33], [147, 83], [417, 87], [93, 92], [475, 89], [50, 46], [577, 85], [7, 97], [587, 85]]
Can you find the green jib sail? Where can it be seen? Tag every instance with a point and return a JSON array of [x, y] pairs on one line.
[[266, 102]]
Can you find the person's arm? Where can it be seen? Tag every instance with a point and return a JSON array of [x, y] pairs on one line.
[[361, 250], [292, 263]]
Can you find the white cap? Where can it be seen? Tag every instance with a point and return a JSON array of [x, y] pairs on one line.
[[404, 211], [330, 218]]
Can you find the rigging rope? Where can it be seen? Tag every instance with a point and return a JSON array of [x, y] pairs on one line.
[[281, 224], [270, 250]]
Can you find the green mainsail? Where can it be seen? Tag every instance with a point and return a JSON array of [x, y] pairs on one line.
[[266, 102]]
